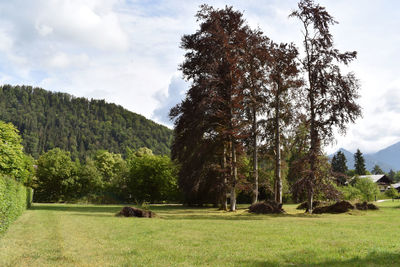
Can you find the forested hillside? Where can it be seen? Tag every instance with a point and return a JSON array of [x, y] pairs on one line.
[[47, 120]]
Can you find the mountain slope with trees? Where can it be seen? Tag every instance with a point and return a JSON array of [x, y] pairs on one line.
[[371, 160], [47, 120]]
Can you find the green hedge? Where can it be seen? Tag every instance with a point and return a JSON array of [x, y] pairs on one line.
[[14, 199]]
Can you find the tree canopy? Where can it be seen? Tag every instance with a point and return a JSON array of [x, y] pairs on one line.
[[13, 161], [330, 95]]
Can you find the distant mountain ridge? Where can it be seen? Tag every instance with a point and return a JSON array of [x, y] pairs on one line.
[[50, 119], [387, 158]]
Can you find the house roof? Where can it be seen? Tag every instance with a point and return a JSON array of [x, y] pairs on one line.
[[377, 178], [374, 178], [396, 185]]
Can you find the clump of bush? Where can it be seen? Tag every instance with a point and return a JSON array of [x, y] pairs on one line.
[[266, 207], [16, 170], [14, 199], [362, 189]]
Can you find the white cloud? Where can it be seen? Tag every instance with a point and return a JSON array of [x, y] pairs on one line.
[[176, 91], [128, 52]]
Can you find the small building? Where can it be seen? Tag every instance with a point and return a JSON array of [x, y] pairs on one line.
[[383, 182], [396, 186]]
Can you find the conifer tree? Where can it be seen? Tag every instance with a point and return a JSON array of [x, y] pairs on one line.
[[339, 163], [359, 163], [213, 64]]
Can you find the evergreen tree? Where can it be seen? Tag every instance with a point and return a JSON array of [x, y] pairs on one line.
[[391, 174], [377, 170], [339, 163], [359, 163], [210, 124]]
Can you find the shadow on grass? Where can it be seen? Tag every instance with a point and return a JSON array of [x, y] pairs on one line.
[[77, 208], [167, 212], [372, 259]]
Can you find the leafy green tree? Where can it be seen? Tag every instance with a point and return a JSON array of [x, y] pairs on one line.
[[112, 168], [151, 178], [143, 151], [367, 188], [13, 161], [55, 177], [110, 165], [90, 179], [377, 170], [359, 163], [350, 192], [392, 193]]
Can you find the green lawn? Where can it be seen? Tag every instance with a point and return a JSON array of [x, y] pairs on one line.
[[90, 235]]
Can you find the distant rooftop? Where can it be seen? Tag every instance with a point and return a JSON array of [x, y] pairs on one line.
[[396, 185], [374, 178]]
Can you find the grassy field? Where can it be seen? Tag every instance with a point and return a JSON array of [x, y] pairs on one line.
[[90, 235]]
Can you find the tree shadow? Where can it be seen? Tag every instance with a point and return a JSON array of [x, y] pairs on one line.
[[171, 212], [372, 259], [77, 208]]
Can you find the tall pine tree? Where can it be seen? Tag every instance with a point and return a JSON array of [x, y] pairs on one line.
[[359, 163], [339, 163]]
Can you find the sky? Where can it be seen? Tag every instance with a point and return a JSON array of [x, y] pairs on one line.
[[128, 52]]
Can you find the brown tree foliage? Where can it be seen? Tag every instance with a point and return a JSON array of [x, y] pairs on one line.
[[210, 121], [329, 95]]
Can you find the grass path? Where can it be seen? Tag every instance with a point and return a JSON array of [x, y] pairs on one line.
[[78, 235]]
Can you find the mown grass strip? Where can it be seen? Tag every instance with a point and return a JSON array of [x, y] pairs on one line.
[[75, 235]]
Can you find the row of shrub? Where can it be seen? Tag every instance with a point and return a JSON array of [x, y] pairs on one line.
[[14, 199], [106, 178]]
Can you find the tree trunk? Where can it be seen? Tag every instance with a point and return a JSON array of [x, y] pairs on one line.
[[314, 149], [224, 201], [234, 178], [255, 158], [310, 200], [278, 176]]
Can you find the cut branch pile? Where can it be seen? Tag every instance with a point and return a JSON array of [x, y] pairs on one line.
[[135, 212], [338, 207], [366, 206], [267, 207]]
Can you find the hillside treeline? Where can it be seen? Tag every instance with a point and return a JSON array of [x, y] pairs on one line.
[[47, 120]]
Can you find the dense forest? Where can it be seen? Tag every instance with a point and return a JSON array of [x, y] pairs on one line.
[[47, 120]]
